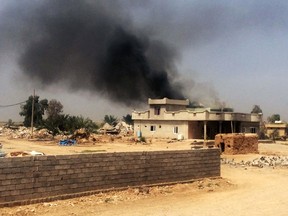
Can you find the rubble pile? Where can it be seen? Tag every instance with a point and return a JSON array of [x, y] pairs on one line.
[[21, 132], [263, 161], [43, 134], [81, 135], [121, 128], [24, 132], [108, 133], [237, 143], [108, 129], [124, 128]]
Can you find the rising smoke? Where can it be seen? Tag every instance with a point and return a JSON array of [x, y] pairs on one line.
[[124, 50], [93, 46]]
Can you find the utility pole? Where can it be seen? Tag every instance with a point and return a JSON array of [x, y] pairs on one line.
[[205, 134], [32, 116]]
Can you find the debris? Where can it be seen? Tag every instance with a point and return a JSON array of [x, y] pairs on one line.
[[108, 129], [81, 133], [144, 190], [23, 132], [35, 153], [263, 161], [43, 134], [67, 142], [24, 153], [121, 128], [18, 154], [2, 154]]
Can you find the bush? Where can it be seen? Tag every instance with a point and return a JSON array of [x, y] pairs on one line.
[[143, 139]]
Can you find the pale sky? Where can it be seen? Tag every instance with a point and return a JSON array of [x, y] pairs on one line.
[[232, 52]]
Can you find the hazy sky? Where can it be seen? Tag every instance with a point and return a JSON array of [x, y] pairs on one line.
[[233, 52]]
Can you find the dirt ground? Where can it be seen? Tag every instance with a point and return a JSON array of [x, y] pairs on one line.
[[239, 191]]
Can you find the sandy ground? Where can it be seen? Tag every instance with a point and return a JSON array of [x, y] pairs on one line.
[[118, 145], [240, 191]]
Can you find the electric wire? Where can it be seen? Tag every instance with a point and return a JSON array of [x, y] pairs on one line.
[[10, 105]]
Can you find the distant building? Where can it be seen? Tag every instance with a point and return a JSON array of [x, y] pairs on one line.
[[278, 129], [168, 118]]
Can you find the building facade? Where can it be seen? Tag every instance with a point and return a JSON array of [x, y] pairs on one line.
[[168, 118], [275, 130]]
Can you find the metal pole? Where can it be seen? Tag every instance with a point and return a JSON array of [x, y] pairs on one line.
[[220, 126], [32, 116], [205, 134]]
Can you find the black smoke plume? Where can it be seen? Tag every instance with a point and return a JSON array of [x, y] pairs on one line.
[[118, 48], [93, 45]]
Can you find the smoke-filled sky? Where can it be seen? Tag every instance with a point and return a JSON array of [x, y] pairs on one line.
[[109, 56]]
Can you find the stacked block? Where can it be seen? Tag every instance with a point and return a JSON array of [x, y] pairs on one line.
[[30, 179], [237, 143]]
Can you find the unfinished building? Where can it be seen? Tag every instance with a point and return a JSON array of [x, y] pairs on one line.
[[169, 118]]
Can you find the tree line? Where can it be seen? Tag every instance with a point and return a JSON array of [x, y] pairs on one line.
[[56, 121]]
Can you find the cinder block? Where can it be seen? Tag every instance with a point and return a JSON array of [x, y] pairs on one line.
[[64, 173]]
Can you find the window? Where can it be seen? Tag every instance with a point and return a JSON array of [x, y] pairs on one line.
[[152, 128], [157, 111], [175, 130], [253, 130]]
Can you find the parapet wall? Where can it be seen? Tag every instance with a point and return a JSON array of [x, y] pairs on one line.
[[27, 180]]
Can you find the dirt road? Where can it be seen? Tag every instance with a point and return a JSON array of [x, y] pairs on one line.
[[241, 191], [258, 192], [254, 191]]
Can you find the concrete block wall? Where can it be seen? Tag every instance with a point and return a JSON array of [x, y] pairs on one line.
[[34, 178]]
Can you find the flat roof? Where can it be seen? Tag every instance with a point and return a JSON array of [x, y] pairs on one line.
[[168, 101]]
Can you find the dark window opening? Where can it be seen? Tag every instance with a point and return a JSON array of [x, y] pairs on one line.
[[157, 111]]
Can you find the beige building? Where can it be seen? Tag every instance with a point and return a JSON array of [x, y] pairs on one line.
[[168, 118], [279, 128]]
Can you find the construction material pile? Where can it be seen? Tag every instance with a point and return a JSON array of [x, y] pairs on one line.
[[24, 132], [108, 133], [233, 143], [121, 128], [15, 133], [263, 161]]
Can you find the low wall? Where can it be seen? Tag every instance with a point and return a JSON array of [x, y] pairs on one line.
[[27, 180]]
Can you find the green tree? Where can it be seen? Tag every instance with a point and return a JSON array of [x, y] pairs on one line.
[[55, 121], [68, 124], [54, 109], [39, 109], [128, 119], [110, 119], [56, 124], [273, 118], [73, 123]]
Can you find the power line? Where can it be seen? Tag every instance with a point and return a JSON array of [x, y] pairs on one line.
[[10, 105]]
